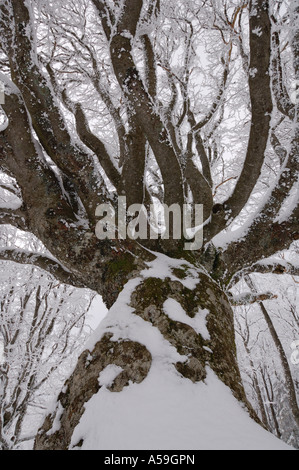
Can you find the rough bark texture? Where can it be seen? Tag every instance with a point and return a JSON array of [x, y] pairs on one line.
[[135, 361], [62, 185], [218, 352]]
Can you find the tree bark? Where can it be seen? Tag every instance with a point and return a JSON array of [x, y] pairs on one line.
[[147, 299], [38, 149]]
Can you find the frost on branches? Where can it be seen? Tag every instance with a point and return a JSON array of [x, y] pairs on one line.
[[163, 104]]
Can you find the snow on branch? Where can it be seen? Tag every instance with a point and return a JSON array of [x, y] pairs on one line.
[[248, 298], [44, 262], [14, 218]]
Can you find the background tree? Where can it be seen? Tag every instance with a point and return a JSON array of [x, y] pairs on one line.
[[41, 331], [161, 103], [270, 378]]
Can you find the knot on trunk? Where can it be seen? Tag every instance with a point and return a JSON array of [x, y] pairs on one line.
[[134, 360], [183, 320]]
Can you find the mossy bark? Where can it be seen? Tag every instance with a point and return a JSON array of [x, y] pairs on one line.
[[132, 357], [147, 301]]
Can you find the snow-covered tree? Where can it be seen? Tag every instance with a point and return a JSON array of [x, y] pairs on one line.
[[165, 105], [267, 330], [41, 331]]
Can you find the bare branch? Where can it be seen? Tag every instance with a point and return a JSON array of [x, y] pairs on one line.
[[44, 262], [197, 127], [248, 298], [150, 66], [16, 218], [290, 386], [282, 98], [150, 122], [267, 267], [50, 127], [261, 105], [247, 252]]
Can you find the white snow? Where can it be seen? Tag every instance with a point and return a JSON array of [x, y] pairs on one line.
[[1, 350], [175, 311], [165, 411], [258, 31], [289, 204], [162, 267], [253, 72], [109, 374], [124, 324], [4, 125], [56, 424], [10, 87]]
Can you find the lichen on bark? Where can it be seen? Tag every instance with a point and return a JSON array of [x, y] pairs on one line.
[[132, 357], [147, 301]]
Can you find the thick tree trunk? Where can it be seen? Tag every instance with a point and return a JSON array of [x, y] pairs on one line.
[[202, 337], [61, 211]]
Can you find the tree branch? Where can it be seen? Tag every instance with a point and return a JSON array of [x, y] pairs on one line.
[[105, 15], [283, 102], [263, 239], [140, 101], [198, 126], [96, 145], [49, 127], [45, 202], [249, 298], [52, 266], [267, 267], [195, 134], [290, 386], [16, 218], [88, 138], [261, 105], [150, 66]]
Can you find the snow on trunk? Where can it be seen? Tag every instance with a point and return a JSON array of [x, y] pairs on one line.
[[160, 372]]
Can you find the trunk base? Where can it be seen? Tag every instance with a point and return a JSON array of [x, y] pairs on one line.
[[168, 338]]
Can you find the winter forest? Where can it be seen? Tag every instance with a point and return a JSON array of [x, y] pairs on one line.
[[149, 234]]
